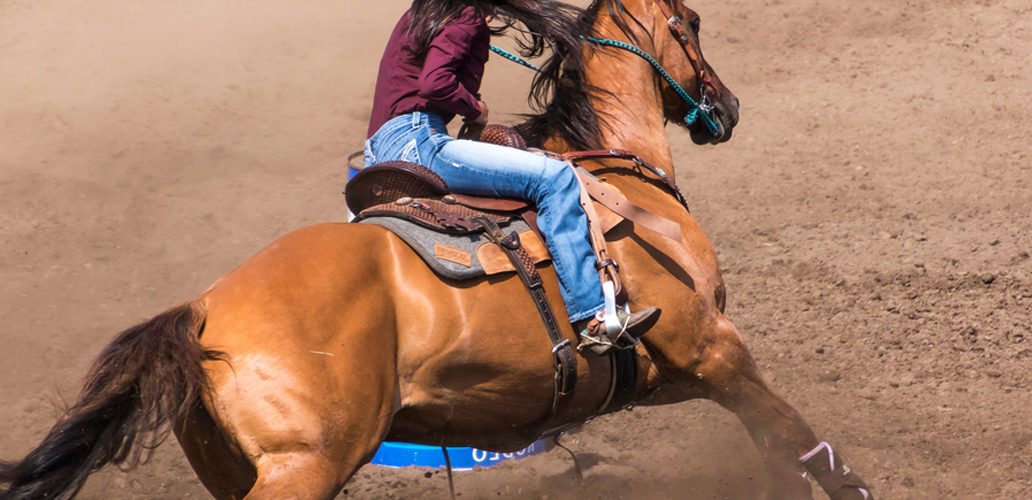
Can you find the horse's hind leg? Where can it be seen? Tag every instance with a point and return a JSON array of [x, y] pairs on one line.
[[308, 420], [281, 463], [306, 436], [228, 475], [296, 476], [305, 452], [727, 374], [219, 464]]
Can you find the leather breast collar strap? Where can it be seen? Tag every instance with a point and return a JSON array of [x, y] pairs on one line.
[[623, 207], [593, 189], [640, 165]]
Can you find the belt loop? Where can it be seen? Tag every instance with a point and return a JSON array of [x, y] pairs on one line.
[[415, 119]]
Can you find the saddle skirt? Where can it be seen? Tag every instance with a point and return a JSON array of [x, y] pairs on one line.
[[461, 257]]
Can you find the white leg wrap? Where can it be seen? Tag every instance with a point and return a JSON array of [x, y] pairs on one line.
[[833, 475], [823, 445]]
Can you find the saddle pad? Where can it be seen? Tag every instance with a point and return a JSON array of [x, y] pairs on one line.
[[462, 257]]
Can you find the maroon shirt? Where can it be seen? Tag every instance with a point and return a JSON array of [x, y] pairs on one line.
[[447, 81]]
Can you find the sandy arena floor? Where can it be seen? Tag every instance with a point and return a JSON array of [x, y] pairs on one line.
[[873, 215]]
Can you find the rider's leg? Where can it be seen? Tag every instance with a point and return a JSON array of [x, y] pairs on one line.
[[491, 170], [488, 169]]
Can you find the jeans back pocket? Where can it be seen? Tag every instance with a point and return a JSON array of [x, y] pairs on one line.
[[370, 158], [410, 152]]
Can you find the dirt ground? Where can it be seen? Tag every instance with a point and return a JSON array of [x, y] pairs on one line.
[[873, 216]]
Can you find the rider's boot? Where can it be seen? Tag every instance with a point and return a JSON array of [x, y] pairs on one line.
[[593, 335]]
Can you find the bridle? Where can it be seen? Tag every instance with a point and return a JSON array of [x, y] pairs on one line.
[[683, 38]]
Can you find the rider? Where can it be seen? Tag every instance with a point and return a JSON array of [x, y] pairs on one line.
[[431, 71]]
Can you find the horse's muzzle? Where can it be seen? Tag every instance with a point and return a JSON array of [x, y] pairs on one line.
[[724, 114]]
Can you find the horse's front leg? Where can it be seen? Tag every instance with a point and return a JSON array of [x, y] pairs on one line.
[[720, 368]]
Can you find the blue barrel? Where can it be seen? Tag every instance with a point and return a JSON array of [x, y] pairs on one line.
[[392, 454], [356, 162]]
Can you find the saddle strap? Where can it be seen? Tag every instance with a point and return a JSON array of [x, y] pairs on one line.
[[623, 154], [563, 357], [624, 365], [607, 269], [614, 201]]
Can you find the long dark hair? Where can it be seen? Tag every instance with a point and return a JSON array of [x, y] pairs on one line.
[[544, 22], [536, 26], [562, 95], [427, 17]]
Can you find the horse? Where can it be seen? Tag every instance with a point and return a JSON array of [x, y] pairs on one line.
[[284, 377]]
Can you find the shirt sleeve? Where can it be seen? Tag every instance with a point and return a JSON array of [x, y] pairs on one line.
[[446, 58]]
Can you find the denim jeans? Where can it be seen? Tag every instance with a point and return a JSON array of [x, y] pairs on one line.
[[490, 170]]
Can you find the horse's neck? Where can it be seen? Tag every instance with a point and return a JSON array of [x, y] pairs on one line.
[[633, 109]]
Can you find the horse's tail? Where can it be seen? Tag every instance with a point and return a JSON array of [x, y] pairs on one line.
[[145, 380]]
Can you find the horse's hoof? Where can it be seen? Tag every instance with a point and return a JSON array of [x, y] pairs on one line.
[[852, 493]]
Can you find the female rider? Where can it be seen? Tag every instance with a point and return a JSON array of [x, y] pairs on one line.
[[431, 71]]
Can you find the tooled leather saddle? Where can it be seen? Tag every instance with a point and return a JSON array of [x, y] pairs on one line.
[[446, 229], [417, 194], [426, 199], [415, 203]]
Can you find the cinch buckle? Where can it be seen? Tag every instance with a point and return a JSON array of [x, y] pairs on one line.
[[560, 345], [512, 241]]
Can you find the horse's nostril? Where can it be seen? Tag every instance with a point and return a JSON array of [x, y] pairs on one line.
[[730, 111]]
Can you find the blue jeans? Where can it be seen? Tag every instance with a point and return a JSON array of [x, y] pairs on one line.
[[484, 169]]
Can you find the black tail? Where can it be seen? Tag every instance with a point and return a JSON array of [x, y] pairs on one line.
[[148, 377]]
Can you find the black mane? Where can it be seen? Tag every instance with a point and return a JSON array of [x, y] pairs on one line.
[[560, 90]]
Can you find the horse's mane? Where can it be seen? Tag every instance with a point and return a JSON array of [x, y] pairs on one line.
[[560, 90]]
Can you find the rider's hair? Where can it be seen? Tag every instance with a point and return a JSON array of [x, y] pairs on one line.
[[538, 23]]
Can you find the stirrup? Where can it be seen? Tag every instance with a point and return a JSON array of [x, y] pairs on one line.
[[595, 337]]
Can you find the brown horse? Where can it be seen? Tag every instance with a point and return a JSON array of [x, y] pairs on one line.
[[285, 376]]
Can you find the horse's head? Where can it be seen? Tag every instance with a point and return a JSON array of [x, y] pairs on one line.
[[601, 92], [679, 52]]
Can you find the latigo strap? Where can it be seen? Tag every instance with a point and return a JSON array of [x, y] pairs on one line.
[[614, 201], [563, 357], [640, 164]]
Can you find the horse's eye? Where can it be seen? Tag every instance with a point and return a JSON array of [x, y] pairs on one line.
[[696, 24]]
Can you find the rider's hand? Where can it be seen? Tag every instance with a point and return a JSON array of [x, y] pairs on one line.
[[482, 119]]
